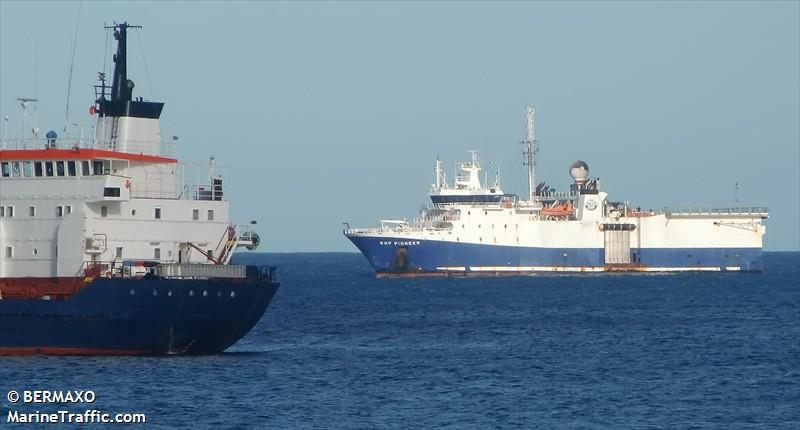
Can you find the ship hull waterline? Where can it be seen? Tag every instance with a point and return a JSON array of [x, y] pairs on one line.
[[158, 316], [408, 257]]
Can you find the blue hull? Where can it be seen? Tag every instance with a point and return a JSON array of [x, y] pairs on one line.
[[137, 316], [401, 255]]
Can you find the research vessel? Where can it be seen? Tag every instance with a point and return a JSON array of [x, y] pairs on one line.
[[475, 228], [104, 249]]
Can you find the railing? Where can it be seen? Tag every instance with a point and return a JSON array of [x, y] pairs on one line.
[[168, 148], [404, 229], [202, 271], [207, 192], [748, 210]]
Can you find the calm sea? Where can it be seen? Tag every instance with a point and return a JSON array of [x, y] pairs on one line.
[[340, 349]]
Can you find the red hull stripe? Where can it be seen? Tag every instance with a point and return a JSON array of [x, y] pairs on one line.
[[78, 154], [70, 351]]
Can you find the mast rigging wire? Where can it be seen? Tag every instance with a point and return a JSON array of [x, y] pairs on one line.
[[72, 64]]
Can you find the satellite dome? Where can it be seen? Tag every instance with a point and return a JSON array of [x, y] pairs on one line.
[[579, 171]]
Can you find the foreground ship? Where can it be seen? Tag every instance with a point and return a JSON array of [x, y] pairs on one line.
[[105, 251], [473, 229]]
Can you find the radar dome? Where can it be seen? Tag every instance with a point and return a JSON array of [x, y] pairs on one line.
[[579, 171]]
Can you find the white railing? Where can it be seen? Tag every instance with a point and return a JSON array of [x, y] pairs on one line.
[[200, 271], [168, 148], [749, 210]]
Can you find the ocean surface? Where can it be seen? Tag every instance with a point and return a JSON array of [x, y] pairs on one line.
[[339, 348]]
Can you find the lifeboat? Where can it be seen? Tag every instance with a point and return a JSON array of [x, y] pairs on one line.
[[564, 210]]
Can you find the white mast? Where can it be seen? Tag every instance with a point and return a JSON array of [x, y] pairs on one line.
[[438, 172], [530, 150]]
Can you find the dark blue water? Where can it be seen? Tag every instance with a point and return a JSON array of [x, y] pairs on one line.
[[341, 349]]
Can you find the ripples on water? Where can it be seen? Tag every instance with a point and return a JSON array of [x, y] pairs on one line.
[[341, 349]]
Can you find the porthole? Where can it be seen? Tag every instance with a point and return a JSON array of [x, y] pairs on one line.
[[35, 251], [205, 293], [133, 292], [219, 293], [155, 292], [233, 294], [169, 293], [191, 293], [133, 212]]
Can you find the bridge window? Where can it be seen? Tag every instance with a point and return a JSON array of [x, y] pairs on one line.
[[60, 168], [4, 168], [37, 168], [71, 168], [86, 169], [48, 168], [26, 169], [111, 192], [97, 167], [15, 171]]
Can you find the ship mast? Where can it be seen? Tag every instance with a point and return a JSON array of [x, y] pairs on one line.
[[529, 153]]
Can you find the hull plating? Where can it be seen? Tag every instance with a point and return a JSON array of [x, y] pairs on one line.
[[136, 316], [401, 256]]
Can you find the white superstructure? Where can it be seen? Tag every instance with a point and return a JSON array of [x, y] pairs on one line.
[[576, 230], [65, 203]]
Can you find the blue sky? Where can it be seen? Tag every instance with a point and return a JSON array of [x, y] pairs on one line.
[[326, 112]]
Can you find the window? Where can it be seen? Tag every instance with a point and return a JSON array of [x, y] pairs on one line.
[[119, 252], [157, 253], [9, 252], [211, 214], [37, 168], [59, 211], [67, 209], [71, 168], [10, 211], [48, 168], [97, 167], [103, 211], [111, 192], [15, 171], [26, 169], [2, 211], [4, 169], [60, 168], [157, 213], [32, 211], [195, 214], [86, 169]]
